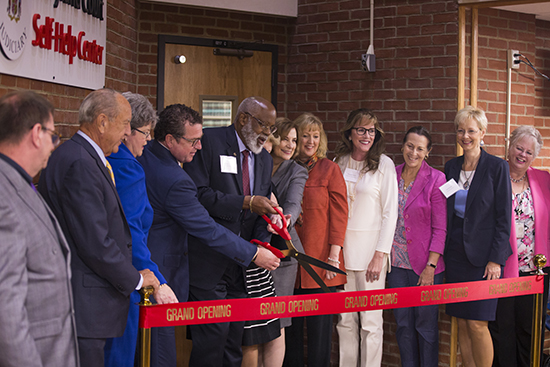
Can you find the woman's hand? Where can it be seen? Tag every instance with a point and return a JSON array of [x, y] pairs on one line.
[[427, 276], [333, 257], [492, 271], [164, 295], [375, 267]]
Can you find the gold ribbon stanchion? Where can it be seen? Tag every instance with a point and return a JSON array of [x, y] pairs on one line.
[[144, 336], [538, 307]]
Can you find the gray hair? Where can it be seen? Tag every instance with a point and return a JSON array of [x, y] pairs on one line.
[[98, 102], [527, 131], [474, 113], [143, 112]]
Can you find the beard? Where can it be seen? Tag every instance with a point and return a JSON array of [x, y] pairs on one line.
[[250, 138]]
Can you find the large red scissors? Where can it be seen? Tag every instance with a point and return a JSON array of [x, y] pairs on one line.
[[304, 260]]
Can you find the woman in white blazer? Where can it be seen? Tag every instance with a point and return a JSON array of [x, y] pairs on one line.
[[372, 199]]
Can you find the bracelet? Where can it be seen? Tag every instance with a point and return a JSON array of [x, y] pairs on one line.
[[163, 285], [250, 203], [334, 261], [432, 265]]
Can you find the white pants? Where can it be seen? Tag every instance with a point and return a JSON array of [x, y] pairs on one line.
[[361, 329]]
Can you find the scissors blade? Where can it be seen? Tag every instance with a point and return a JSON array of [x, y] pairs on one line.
[[315, 276], [316, 262]]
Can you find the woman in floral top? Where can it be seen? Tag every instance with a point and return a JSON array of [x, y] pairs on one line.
[[511, 331], [418, 244]]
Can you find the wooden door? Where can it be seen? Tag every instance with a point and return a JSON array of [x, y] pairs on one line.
[[206, 76]]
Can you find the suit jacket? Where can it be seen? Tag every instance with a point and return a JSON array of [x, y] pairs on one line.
[[289, 181], [222, 195], [36, 316], [177, 214], [325, 217], [425, 217], [487, 218], [78, 187], [373, 214], [539, 181]]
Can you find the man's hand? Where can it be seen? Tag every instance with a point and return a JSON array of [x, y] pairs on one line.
[[259, 205], [149, 279], [165, 294], [265, 259]]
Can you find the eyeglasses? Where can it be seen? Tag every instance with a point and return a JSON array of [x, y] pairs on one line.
[[56, 137], [194, 142], [470, 132], [147, 134], [263, 125], [362, 131]]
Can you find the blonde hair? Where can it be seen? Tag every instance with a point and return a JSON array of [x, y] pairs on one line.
[[308, 122], [474, 113]]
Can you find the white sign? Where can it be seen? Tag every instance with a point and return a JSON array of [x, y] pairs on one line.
[[287, 8], [55, 41]]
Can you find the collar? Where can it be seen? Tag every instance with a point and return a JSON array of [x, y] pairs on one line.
[[95, 146], [17, 167], [241, 144]]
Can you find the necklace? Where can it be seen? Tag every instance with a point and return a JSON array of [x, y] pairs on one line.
[[466, 184], [518, 180]]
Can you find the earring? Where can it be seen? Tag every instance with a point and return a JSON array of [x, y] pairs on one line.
[[349, 138], [426, 157]]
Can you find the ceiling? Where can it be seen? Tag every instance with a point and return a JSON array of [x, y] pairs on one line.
[[541, 10]]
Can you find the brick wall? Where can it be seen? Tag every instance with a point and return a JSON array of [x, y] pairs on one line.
[[499, 31], [415, 44], [155, 19]]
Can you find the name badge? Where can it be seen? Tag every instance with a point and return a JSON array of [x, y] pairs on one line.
[[449, 188], [351, 175], [228, 164]]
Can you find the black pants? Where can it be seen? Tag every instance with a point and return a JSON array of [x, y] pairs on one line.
[[319, 338], [511, 331], [216, 345]]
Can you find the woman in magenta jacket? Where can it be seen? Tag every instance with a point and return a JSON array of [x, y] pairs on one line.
[[418, 244], [529, 236]]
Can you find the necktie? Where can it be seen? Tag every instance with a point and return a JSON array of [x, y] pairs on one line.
[[108, 165], [246, 175]]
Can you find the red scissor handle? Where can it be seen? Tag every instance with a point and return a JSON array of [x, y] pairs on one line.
[[274, 250], [283, 231]]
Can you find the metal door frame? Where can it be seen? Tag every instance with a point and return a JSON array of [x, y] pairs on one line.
[[214, 43]]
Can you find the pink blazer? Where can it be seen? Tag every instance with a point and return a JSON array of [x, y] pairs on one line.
[[425, 216], [540, 188]]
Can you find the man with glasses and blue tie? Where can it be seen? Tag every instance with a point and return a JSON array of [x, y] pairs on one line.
[[178, 215], [37, 315], [78, 185], [233, 176]]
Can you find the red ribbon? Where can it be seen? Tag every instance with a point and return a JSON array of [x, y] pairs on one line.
[[192, 313]]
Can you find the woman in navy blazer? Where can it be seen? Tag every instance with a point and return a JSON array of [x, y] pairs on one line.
[[130, 185], [418, 244], [478, 231], [511, 331]]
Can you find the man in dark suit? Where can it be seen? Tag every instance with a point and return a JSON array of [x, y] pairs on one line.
[[173, 196], [36, 315], [233, 176], [79, 187]]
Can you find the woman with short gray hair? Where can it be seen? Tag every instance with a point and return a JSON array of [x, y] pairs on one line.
[[130, 185], [511, 331]]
